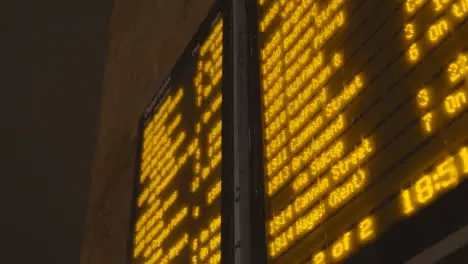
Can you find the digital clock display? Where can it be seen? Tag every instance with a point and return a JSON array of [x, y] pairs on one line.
[[178, 208], [364, 108]]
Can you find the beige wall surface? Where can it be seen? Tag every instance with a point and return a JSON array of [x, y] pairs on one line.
[[146, 39]]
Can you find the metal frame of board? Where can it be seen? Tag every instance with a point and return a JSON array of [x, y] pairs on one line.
[[135, 191], [227, 182], [241, 117], [256, 129]]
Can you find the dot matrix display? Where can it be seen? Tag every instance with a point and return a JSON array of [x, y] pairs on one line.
[[178, 203], [364, 116]]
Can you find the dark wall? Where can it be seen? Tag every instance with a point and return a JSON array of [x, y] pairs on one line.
[[146, 39], [52, 56]]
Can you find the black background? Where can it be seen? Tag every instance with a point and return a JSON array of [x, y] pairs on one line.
[[52, 61]]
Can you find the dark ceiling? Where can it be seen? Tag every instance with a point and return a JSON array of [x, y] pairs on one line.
[[52, 57]]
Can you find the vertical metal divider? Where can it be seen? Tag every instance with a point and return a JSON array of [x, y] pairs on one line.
[[243, 210], [227, 166], [258, 215], [241, 137], [135, 191]]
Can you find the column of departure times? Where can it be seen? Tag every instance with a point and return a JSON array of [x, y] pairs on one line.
[[206, 242], [304, 118]]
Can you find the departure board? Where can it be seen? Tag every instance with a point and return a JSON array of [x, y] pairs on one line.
[[364, 108], [178, 215]]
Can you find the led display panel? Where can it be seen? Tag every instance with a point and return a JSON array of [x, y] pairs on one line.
[[178, 208], [364, 108]]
